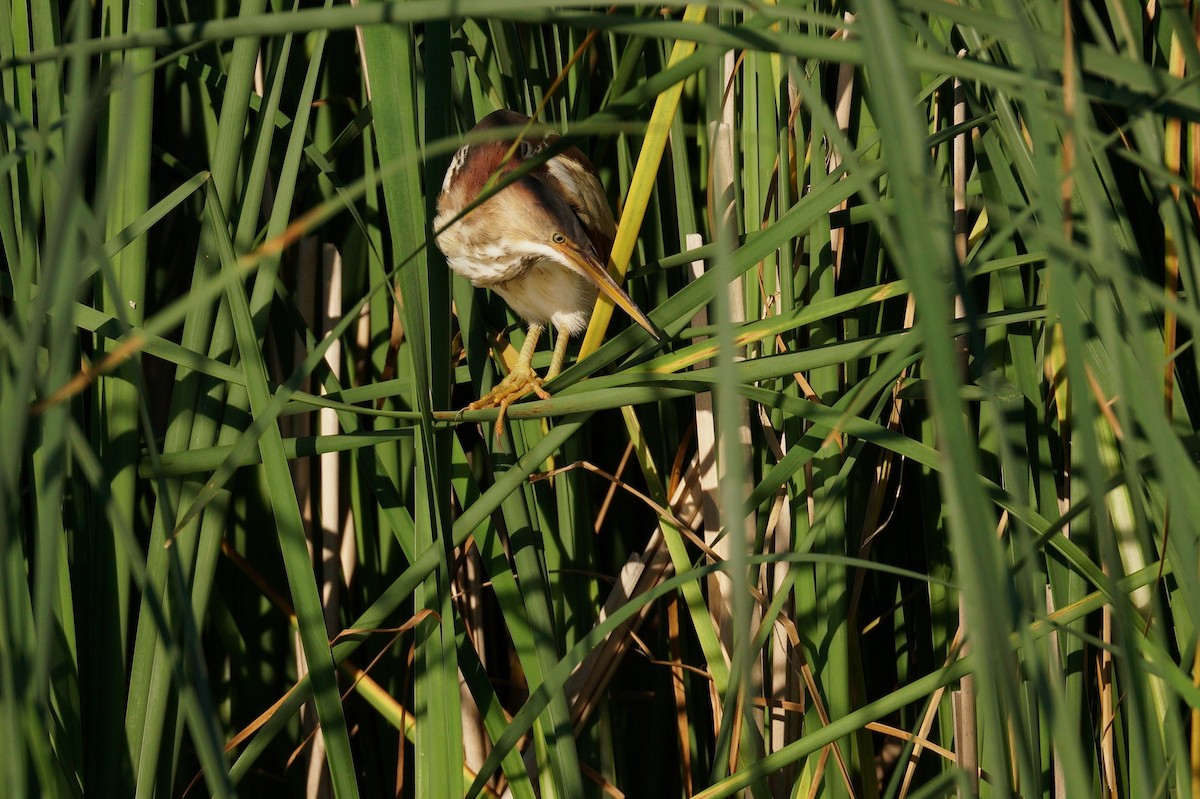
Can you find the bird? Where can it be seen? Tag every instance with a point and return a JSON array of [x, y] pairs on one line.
[[542, 242]]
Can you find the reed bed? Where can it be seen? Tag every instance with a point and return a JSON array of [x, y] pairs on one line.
[[905, 505]]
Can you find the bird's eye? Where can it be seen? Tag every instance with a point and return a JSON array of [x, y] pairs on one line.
[[558, 238]]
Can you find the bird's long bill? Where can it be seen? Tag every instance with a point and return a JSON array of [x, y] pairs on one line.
[[595, 271]]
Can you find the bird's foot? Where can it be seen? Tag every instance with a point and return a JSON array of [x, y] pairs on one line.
[[520, 381]]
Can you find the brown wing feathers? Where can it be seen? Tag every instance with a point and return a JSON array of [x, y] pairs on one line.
[[569, 174]]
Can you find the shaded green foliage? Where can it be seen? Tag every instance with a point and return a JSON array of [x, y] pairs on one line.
[[918, 489]]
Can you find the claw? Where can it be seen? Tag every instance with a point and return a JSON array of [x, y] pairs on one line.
[[520, 381]]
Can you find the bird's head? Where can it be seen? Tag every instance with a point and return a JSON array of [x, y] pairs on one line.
[[532, 220]]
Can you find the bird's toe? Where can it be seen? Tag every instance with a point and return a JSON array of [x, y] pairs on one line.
[[518, 383]]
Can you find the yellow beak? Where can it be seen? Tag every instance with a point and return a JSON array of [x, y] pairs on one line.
[[598, 274]]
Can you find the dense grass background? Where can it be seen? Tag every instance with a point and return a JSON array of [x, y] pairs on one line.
[[906, 506]]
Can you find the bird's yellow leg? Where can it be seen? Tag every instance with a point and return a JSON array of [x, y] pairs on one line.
[[560, 354], [519, 382], [535, 383]]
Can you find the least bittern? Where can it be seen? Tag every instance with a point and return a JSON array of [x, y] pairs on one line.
[[542, 243]]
